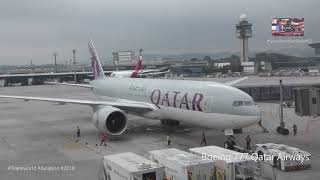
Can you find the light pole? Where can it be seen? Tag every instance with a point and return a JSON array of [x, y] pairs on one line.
[[74, 65], [140, 51], [281, 105], [281, 129], [55, 62], [31, 66], [70, 65]]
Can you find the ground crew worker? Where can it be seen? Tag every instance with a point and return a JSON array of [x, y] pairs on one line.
[[248, 140], [204, 140], [295, 128], [232, 141], [169, 140], [78, 132], [103, 139]]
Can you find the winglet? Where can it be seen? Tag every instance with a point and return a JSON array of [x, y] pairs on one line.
[[95, 62]]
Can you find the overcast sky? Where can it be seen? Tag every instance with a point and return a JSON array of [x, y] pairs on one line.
[[34, 29]]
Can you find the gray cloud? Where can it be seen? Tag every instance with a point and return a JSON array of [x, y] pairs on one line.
[[34, 29]]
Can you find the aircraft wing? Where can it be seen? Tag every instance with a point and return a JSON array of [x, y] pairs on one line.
[[70, 84], [127, 106], [231, 83]]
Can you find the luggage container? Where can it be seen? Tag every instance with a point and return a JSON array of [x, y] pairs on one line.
[[129, 166], [229, 165], [181, 165], [283, 157]]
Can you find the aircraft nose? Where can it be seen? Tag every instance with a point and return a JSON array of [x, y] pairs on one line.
[[254, 115], [256, 111], [255, 119]]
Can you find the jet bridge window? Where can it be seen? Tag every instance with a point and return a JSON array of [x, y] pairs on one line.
[[242, 103]]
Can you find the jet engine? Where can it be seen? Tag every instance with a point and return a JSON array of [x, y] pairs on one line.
[[110, 120]]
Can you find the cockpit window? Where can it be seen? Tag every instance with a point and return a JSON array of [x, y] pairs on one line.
[[242, 103], [247, 103]]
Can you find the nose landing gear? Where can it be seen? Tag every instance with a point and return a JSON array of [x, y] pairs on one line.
[[264, 129]]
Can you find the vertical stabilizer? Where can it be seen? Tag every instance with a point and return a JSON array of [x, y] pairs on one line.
[[95, 63], [137, 69]]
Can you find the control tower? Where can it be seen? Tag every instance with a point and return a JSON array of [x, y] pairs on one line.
[[244, 32]]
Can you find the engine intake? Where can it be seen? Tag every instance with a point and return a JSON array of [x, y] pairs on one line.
[[110, 120]]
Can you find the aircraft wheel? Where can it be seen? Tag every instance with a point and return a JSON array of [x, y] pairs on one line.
[[283, 131]]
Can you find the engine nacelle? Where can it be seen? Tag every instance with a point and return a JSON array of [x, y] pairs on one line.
[[110, 120]]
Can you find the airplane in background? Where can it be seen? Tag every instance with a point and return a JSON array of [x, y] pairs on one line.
[[139, 72], [130, 73], [201, 103]]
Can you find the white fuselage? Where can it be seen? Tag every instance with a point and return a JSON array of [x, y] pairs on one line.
[[122, 74], [206, 104]]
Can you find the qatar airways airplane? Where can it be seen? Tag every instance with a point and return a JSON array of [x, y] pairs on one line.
[[202, 103], [130, 73], [139, 72]]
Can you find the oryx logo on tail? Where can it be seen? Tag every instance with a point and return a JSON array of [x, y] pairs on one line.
[[95, 62], [137, 69]]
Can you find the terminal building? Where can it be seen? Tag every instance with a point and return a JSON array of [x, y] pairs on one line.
[[123, 57], [307, 101], [316, 47]]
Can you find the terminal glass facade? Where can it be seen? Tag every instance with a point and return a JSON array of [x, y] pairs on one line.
[[268, 93]]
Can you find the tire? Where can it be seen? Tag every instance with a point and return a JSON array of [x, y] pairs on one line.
[[283, 131]]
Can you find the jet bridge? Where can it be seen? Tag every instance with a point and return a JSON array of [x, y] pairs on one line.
[[307, 101]]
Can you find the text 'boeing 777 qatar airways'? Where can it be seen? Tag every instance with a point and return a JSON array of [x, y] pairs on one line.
[[202, 103]]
